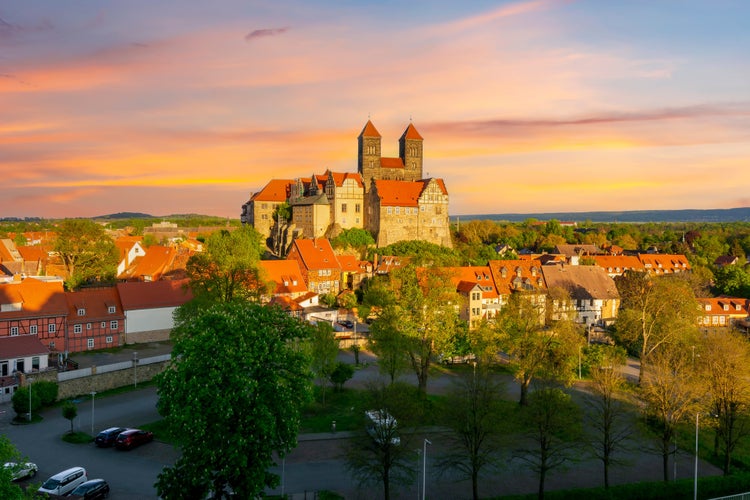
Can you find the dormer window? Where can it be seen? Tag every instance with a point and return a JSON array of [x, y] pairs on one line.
[[504, 271], [708, 307], [726, 307], [737, 307], [81, 311], [111, 309]]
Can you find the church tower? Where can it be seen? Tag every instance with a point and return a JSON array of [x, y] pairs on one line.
[[410, 151], [368, 157]]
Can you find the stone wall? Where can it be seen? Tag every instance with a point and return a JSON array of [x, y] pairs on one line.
[[105, 381], [148, 336]]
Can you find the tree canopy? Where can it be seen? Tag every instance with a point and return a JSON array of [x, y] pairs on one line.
[[234, 393], [86, 251]]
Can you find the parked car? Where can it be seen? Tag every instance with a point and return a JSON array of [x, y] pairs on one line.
[[21, 471], [91, 490], [346, 323], [64, 482], [131, 438], [381, 426], [107, 436]]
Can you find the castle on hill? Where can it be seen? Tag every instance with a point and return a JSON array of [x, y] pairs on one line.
[[389, 197]]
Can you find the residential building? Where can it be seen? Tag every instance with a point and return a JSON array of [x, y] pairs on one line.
[[130, 249], [519, 276], [96, 319], [285, 277], [723, 312], [35, 307], [616, 265], [591, 290], [24, 354], [149, 308], [259, 209], [319, 265], [477, 286], [656, 263]]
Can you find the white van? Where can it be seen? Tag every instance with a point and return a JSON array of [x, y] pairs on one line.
[[64, 482], [381, 426]]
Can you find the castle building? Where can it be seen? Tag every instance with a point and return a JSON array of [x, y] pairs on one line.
[[389, 197]]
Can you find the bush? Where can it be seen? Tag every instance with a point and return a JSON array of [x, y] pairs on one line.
[[341, 373], [21, 401], [47, 391]]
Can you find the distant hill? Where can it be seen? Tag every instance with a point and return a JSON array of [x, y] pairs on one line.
[[687, 215], [125, 215]]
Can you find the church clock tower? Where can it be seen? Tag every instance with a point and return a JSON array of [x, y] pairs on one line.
[[368, 157], [410, 151]]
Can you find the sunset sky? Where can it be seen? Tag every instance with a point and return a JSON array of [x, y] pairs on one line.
[[189, 106]]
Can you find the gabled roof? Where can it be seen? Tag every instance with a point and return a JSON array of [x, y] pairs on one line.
[[316, 253], [369, 130], [157, 261], [664, 263], [33, 296], [469, 277], [339, 178], [21, 346], [388, 263], [617, 264], [722, 306], [153, 294], [398, 193], [581, 282], [725, 260], [286, 303], [33, 253], [391, 163], [95, 303], [349, 263], [411, 133], [285, 274], [574, 250], [275, 190], [517, 275], [8, 251]]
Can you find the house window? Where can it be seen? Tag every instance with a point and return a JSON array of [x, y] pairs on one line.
[[421, 208], [343, 208], [357, 208], [52, 345], [112, 309], [81, 312], [88, 326], [103, 325], [35, 363], [389, 210], [33, 329], [51, 328], [77, 328], [108, 339], [113, 324], [13, 331], [398, 210], [90, 343]]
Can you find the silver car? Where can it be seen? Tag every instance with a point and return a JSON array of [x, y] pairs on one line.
[[21, 471]]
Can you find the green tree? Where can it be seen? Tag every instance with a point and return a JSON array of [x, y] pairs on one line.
[[474, 412], [733, 281], [353, 238], [324, 347], [20, 401], [725, 366], [553, 423], [228, 268], [8, 489], [86, 251], [340, 374], [389, 344], [234, 394], [654, 312], [69, 412], [670, 394]]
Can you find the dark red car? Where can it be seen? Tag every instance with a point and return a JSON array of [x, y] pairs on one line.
[[131, 438]]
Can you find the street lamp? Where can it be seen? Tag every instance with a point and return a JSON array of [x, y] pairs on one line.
[[424, 466], [93, 393], [29, 381]]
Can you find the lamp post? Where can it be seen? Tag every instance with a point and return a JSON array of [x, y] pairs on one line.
[[29, 381], [93, 393], [424, 466], [579, 362], [135, 370]]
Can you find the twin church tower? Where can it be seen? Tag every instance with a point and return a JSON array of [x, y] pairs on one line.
[[389, 197]]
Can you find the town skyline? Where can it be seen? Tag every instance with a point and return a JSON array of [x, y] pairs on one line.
[[525, 106]]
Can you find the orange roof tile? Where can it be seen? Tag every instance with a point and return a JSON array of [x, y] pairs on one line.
[[411, 133], [95, 303], [391, 163], [349, 263], [398, 193], [316, 253], [618, 263], [467, 277], [157, 261], [275, 190], [664, 263], [39, 297], [285, 274], [339, 178], [521, 274], [369, 130]]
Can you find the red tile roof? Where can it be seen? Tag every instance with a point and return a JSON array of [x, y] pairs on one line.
[[316, 253], [275, 190], [157, 261], [411, 133], [617, 264], [725, 306], [664, 263], [398, 193], [21, 346], [521, 274], [35, 296], [466, 278], [285, 274], [391, 163], [95, 302], [339, 178], [349, 263], [369, 130], [152, 295]]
